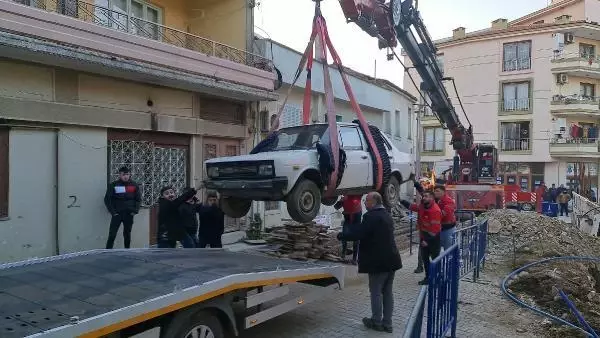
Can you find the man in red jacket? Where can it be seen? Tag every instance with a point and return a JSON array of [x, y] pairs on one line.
[[448, 208], [430, 225], [352, 215]]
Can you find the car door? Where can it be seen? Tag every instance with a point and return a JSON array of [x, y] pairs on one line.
[[358, 160]]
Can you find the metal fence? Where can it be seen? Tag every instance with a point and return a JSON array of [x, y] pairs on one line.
[[467, 255]]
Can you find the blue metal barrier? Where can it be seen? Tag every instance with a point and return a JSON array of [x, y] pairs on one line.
[[472, 243], [415, 321], [442, 307]]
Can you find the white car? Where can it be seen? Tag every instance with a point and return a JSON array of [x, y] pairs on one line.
[[288, 169]]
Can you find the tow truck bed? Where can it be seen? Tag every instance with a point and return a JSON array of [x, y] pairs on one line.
[[102, 291]]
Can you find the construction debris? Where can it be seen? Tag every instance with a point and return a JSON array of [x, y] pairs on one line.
[[516, 239]]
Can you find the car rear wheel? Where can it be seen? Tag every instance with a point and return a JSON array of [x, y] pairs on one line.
[[235, 207], [304, 202], [391, 192]]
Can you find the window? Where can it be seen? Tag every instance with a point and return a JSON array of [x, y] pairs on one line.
[[271, 205], [517, 56], [433, 140], [350, 138], [388, 122], [409, 124], [263, 117], [4, 179], [515, 136], [398, 124], [587, 91], [587, 51], [338, 118], [131, 16], [515, 96], [440, 62], [291, 116]]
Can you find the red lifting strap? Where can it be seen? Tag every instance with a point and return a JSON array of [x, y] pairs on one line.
[[320, 31]]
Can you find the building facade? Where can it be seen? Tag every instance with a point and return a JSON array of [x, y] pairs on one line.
[[88, 87], [529, 87], [383, 104]]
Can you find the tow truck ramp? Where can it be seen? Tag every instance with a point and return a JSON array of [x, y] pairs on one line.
[[107, 292]]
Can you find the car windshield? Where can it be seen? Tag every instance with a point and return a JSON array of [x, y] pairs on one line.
[[301, 137]]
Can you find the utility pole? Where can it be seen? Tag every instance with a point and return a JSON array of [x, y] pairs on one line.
[[418, 137]]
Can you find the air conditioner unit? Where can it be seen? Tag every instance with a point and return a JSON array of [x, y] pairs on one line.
[[568, 38], [562, 78]]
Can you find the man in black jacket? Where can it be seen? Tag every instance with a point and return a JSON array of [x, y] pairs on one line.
[[170, 224], [379, 258], [212, 222], [122, 199]]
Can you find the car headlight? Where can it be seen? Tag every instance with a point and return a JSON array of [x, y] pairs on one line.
[[265, 170], [212, 172]]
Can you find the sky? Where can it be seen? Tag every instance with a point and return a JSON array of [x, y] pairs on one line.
[[290, 22]]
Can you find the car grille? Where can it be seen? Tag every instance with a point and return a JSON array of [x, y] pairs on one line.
[[238, 171]]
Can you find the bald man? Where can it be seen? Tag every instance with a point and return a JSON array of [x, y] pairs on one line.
[[379, 258]]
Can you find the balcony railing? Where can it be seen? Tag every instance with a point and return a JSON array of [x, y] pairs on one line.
[[573, 140], [123, 22], [433, 146], [516, 64], [523, 104], [590, 57], [517, 144], [575, 99]]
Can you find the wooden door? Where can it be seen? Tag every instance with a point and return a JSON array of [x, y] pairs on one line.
[[218, 147]]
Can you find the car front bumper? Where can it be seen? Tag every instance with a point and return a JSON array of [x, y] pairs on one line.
[[258, 189]]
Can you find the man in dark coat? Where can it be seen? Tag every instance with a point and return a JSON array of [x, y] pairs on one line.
[[123, 199], [379, 258], [170, 227], [212, 222]]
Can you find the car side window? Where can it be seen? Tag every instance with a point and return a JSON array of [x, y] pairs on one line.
[[350, 138]]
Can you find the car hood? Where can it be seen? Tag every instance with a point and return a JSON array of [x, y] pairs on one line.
[[276, 156]]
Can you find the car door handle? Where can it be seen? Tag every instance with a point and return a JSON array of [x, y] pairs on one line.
[[364, 157]]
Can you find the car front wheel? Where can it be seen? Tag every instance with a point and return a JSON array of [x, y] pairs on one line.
[[391, 192], [235, 207], [304, 201]]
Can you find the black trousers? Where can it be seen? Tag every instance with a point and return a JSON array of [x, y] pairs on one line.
[[115, 224], [564, 208], [212, 241], [431, 251]]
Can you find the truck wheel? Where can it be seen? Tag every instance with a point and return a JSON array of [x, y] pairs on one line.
[[304, 202], [235, 207], [527, 207], [329, 201], [202, 324], [391, 192]]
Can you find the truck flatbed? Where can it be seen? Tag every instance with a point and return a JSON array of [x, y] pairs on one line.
[[94, 293]]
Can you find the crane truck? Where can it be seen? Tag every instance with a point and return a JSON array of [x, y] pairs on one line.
[[475, 165]]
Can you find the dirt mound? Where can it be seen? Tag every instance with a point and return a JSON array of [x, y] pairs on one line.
[[516, 239]]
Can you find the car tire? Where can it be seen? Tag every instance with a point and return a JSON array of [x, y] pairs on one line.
[[329, 201], [304, 202], [235, 207], [391, 192], [184, 325]]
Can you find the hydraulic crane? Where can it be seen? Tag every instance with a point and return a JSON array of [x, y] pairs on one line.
[[399, 21]]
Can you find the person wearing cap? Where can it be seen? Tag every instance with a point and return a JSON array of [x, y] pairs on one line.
[[123, 199], [171, 226]]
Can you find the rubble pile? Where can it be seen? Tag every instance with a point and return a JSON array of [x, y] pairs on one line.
[[517, 238], [304, 241]]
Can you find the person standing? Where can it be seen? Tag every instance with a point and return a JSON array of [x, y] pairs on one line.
[[563, 201], [170, 225], [448, 207], [188, 211], [212, 222], [122, 199], [379, 258], [429, 220], [352, 211]]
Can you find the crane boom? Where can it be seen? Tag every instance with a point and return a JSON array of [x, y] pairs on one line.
[[473, 163]]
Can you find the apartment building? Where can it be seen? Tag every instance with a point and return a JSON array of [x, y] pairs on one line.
[[89, 86], [383, 104], [528, 86]]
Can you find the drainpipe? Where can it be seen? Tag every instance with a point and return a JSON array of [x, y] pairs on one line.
[[57, 192]]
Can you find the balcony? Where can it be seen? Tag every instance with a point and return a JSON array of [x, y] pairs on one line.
[[577, 64], [515, 106], [515, 145], [113, 36], [575, 104], [574, 147]]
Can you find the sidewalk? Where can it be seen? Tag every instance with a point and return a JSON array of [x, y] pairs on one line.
[[483, 312]]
